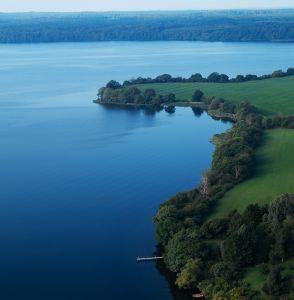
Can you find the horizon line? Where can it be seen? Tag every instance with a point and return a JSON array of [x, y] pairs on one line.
[[153, 10]]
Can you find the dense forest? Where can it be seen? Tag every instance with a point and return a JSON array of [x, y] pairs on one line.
[[235, 25]]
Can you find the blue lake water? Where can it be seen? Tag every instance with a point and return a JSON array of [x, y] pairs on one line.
[[80, 183]]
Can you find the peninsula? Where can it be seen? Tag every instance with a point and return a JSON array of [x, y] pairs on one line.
[[232, 237]]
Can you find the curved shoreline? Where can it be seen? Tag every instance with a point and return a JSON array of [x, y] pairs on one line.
[[180, 219]]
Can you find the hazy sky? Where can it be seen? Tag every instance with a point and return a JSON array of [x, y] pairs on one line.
[[102, 5]]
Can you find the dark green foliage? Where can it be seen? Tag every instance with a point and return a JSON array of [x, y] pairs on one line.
[[264, 269], [277, 286], [221, 289], [113, 93], [163, 78], [216, 77], [170, 98], [191, 274], [233, 157], [225, 270], [197, 96], [197, 78], [112, 84], [214, 229], [281, 220], [244, 25], [212, 78], [290, 72], [223, 247], [149, 95], [240, 246], [184, 245]]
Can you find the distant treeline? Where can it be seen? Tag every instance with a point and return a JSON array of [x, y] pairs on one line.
[[234, 25], [129, 93], [213, 77]]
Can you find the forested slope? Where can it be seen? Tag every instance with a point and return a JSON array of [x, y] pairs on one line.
[[236, 25]]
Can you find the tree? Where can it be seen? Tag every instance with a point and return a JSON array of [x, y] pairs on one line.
[[196, 77], [100, 93], [274, 283], [278, 73], [282, 207], [131, 94], [163, 78], [225, 270], [112, 84], [224, 78], [290, 72], [240, 78], [197, 96], [191, 274], [182, 247], [214, 228], [149, 94], [240, 246], [170, 97], [214, 77], [215, 104]]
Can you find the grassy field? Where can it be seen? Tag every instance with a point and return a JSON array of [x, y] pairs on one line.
[[273, 175], [271, 96]]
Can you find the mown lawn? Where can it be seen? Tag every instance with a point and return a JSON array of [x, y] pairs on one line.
[[270, 96], [273, 174]]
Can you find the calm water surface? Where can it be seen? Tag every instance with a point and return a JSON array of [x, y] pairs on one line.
[[79, 183]]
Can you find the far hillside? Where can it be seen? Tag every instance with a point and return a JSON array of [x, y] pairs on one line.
[[220, 25], [270, 96]]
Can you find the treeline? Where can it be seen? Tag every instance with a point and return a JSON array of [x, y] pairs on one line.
[[197, 77], [133, 95], [261, 25], [115, 93]]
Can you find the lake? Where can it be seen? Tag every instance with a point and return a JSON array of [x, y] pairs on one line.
[[80, 182]]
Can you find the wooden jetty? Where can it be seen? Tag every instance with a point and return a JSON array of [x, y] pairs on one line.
[[149, 258]]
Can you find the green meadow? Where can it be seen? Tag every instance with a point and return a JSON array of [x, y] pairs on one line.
[[273, 174], [270, 96]]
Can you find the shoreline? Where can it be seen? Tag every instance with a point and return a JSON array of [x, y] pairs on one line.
[[175, 235]]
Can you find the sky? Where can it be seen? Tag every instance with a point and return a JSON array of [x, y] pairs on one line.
[[114, 5]]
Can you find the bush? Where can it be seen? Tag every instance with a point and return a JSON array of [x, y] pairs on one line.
[[197, 96]]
